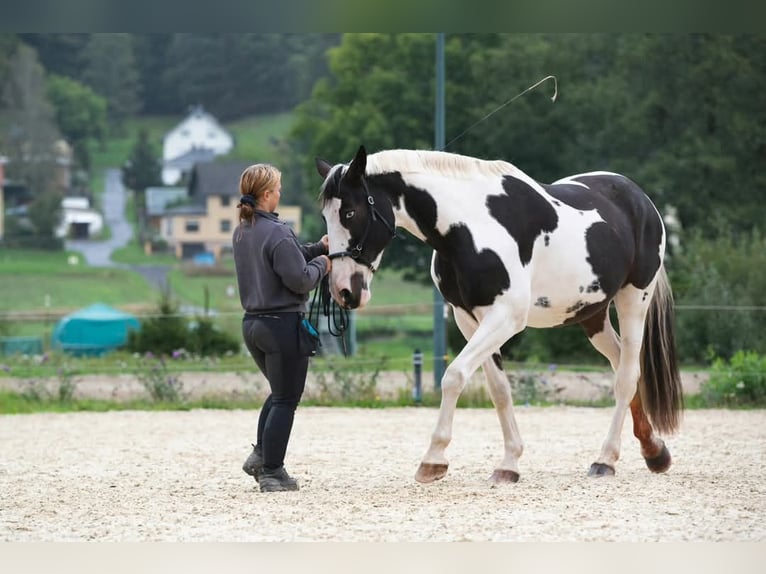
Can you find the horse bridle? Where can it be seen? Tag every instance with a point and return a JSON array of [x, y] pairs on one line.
[[372, 215]]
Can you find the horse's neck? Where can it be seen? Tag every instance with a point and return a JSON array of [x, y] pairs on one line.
[[404, 219], [455, 204]]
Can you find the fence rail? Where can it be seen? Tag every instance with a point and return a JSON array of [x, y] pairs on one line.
[[149, 311]]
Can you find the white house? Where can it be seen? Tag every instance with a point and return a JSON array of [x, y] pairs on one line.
[[78, 220], [199, 137]]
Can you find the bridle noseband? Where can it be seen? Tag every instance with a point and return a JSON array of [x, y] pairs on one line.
[[372, 215]]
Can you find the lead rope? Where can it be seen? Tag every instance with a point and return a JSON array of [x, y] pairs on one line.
[[337, 317]]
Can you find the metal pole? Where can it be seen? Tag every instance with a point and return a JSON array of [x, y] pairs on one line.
[[417, 365], [440, 347]]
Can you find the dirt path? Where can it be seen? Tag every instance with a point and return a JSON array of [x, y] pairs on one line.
[[175, 476]]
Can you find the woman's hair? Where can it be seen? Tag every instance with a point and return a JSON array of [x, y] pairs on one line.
[[254, 182]]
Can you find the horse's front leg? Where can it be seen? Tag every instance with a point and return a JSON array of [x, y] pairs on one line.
[[491, 333], [500, 391]]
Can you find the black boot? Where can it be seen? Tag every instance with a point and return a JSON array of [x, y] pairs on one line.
[[254, 463], [277, 480]]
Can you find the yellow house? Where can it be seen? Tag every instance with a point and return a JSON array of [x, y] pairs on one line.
[[207, 222]]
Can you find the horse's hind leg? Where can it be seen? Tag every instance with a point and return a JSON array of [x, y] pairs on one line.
[[632, 307], [653, 449], [604, 338], [500, 391]]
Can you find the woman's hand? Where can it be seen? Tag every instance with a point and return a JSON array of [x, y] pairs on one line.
[[326, 242], [329, 261]]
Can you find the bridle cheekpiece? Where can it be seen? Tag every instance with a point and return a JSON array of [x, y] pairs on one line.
[[372, 215]]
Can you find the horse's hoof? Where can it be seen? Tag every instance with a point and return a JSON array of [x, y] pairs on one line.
[[600, 469], [661, 462], [429, 472], [503, 476]]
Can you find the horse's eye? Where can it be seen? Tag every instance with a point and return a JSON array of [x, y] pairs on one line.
[[350, 214]]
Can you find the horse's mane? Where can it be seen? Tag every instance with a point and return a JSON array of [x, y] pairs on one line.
[[436, 162]]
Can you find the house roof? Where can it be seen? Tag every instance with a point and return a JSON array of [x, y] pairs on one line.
[[219, 178], [193, 209], [189, 158], [158, 198]]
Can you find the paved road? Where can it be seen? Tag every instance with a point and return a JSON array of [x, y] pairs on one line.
[[99, 253]]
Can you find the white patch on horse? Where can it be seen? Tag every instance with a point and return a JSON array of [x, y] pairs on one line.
[[573, 179], [558, 271], [343, 267]]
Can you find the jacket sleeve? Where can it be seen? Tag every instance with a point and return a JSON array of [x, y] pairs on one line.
[[297, 274], [311, 250]]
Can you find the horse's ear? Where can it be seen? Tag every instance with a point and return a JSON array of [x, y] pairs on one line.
[[323, 167], [358, 165]]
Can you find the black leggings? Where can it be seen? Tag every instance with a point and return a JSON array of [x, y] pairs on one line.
[[272, 340]]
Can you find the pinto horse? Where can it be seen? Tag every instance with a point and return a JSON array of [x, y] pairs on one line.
[[511, 253]]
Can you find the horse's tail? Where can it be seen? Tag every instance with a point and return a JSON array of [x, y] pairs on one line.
[[660, 382]]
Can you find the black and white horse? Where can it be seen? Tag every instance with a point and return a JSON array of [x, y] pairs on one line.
[[511, 253]]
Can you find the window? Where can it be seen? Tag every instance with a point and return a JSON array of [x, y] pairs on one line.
[[225, 200], [192, 226], [225, 225]]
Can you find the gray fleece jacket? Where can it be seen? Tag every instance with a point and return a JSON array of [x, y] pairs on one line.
[[275, 273]]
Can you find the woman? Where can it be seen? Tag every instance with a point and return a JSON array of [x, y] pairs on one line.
[[275, 275]]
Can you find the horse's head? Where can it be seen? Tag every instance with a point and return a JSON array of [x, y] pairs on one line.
[[360, 224]]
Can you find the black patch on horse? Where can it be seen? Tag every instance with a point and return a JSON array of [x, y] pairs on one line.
[[630, 226], [468, 278], [458, 265], [524, 213]]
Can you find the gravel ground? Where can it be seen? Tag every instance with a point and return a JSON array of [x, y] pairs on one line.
[[175, 476]]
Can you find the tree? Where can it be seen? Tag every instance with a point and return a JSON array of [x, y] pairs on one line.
[[59, 53], [158, 96], [110, 70], [30, 139], [140, 171], [80, 114], [381, 94], [233, 75], [143, 168]]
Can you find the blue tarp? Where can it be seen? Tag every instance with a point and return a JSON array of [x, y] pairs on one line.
[[93, 330]]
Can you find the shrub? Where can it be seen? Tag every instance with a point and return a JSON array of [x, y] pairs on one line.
[[207, 340], [716, 282], [738, 382], [163, 333]]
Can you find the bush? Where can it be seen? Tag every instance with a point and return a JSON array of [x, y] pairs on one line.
[[741, 382], [716, 282], [161, 334], [205, 339], [169, 331]]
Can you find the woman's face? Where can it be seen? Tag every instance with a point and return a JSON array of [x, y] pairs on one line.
[[272, 197]]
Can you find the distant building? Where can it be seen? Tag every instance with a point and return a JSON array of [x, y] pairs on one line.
[[205, 223], [158, 201], [15, 195], [197, 139], [78, 220]]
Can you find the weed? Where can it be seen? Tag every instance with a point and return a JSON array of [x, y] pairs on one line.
[[162, 386], [740, 382], [340, 382]]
